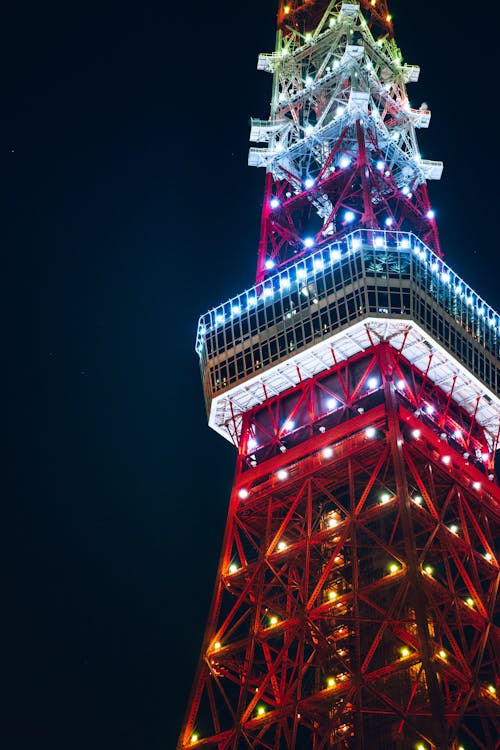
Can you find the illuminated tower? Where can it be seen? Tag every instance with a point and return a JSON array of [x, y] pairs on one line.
[[359, 380]]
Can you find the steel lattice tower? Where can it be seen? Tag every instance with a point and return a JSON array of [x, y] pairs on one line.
[[359, 379]]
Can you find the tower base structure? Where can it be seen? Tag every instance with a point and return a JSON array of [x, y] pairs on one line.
[[354, 605]]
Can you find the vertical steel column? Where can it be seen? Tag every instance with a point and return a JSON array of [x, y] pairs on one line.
[[395, 439]]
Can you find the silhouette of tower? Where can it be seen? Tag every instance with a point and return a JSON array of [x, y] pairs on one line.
[[359, 380]]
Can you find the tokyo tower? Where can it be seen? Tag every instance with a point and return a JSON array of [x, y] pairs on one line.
[[359, 381]]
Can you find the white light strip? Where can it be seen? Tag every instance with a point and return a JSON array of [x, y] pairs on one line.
[[330, 255]]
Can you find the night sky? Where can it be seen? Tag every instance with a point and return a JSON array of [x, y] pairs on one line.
[[127, 210]]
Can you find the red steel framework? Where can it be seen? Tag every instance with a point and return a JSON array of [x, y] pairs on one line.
[[354, 603]]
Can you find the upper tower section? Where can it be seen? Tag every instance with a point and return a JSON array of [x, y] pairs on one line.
[[349, 254], [339, 147]]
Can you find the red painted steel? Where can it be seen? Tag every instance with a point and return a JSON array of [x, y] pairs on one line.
[[356, 588], [304, 14], [370, 194]]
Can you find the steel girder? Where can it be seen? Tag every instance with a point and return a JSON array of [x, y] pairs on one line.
[[344, 392], [354, 604], [295, 16]]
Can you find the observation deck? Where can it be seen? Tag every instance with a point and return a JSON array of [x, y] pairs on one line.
[[371, 286]]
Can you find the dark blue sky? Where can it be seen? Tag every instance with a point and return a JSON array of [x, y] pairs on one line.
[[128, 210]]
